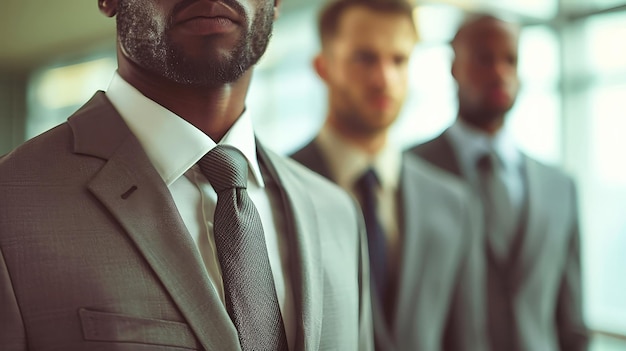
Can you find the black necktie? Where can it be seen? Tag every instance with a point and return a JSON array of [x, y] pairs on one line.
[[377, 242], [499, 210], [248, 282]]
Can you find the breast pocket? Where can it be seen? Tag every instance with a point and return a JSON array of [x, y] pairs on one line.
[[114, 327]]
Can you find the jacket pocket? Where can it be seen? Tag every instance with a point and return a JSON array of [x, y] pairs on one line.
[[114, 327]]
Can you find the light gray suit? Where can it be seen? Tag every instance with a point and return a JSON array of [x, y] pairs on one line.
[[437, 294], [86, 264], [539, 286]]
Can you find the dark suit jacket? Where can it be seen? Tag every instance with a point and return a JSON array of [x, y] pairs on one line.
[[438, 292], [543, 276], [85, 264]]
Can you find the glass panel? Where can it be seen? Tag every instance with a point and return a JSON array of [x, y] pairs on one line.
[[609, 144], [605, 50], [595, 148], [431, 103], [544, 9], [535, 122]]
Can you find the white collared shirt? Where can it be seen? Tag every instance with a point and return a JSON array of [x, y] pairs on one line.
[[470, 144], [348, 163], [174, 146]]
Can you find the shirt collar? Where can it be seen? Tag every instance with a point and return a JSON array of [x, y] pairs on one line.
[[347, 162], [472, 143], [172, 144]]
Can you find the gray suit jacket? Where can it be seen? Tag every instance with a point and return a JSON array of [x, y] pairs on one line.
[[438, 290], [87, 264], [543, 276]]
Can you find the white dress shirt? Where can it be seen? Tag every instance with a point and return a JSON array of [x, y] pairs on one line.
[[174, 146], [347, 164], [471, 143]]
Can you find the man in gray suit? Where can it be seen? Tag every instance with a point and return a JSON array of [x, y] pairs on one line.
[[423, 241], [153, 219], [532, 234]]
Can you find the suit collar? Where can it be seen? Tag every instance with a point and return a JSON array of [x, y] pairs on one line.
[[311, 157], [472, 143], [172, 144], [135, 195], [441, 153], [348, 163]]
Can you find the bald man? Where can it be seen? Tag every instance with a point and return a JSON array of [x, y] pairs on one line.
[[532, 234]]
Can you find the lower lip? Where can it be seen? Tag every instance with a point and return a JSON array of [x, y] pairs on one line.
[[381, 103], [499, 97], [207, 26]]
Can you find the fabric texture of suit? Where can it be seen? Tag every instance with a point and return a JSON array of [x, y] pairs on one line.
[[94, 255], [437, 292], [540, 283]]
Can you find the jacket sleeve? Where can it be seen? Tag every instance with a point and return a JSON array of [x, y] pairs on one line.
[[466, 327], [12, 334], [572, 331]]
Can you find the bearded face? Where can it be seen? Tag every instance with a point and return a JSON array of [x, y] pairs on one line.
[[150, 37]]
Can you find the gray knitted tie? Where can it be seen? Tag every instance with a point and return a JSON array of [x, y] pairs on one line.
[[248, 282]]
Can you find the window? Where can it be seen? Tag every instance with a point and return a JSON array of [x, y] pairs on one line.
[[56, 92]]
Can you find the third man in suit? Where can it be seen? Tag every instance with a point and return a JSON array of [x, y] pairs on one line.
[[425, 262], [532, 237]]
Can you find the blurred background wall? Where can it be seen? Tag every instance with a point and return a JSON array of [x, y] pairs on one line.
[[571, 111]]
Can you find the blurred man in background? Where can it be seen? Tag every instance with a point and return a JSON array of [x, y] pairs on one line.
[[531, 219], [153, 220], [425, 255]]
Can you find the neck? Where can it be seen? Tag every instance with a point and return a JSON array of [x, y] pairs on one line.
[[212, 110], [490, 126], [371, 143]]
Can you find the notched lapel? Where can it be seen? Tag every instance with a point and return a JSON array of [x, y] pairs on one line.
[[307, 278], [131, 189], [535, 226]]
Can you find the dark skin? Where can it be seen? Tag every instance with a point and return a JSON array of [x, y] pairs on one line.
[[212, 109], [485, 69]]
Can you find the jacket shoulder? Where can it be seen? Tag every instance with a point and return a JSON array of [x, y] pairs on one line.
[[317, 184], [434, 178]]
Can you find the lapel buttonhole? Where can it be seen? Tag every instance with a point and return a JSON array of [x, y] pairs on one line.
[[129, 192]]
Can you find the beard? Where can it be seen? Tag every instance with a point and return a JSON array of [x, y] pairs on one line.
[[145, 39], [360, 121]]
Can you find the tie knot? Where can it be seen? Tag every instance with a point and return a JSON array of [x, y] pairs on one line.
[[369, 180], [225, 167], [489, 162]]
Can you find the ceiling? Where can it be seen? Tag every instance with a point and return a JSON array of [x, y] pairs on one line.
[[32, 31]]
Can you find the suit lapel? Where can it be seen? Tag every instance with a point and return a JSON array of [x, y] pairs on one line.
[[412, 258], [414, 243], [312, 157], [534, 223], [304, 246], [440, 152], [133, 192]]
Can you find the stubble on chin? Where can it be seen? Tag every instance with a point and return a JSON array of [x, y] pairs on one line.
[[147, 42]]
